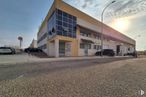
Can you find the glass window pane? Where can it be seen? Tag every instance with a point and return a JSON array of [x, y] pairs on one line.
[[59, 22], [74, 18], [65, 19], [59, 28], [64, 14], [70, 16], [64, 24], [59, 18], [59, 12], [64, 33], [59, 32], [70, 21]]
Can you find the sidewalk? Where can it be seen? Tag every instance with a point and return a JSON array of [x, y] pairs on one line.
[[24, 58]]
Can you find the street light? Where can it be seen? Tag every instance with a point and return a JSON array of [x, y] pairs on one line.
[[138, 36], [102, 25]]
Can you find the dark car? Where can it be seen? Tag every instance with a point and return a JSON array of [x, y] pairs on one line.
[[29, 50], [106, 52], [7, 50], [134, 54]]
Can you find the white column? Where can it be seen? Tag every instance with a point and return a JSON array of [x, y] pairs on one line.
[[56, 48]]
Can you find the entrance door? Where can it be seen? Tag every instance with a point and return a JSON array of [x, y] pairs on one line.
[[61, 49], [86, 50], [118, 49]]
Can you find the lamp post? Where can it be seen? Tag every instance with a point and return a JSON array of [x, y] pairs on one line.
[[103, 24], [138, 36]]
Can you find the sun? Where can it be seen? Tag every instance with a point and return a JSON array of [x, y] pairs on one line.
[[121, 24]]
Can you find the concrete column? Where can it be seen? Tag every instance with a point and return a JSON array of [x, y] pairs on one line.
[[56, 48]]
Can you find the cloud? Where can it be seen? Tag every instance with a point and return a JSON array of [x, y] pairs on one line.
[[127, 8], [87, 3]]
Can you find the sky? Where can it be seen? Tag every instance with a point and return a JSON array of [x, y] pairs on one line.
[[24, 17]]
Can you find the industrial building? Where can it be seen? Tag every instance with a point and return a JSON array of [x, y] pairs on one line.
[[67, 31]]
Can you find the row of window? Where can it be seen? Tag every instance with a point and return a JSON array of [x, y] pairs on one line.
[[52, 25], [43, 46], [90, 35], [95, 36], [97, 47], [62, 28], [60, 18], [65, 33], [89, 46], [66, 15], [43, 37], [66, 24], [83, 46]]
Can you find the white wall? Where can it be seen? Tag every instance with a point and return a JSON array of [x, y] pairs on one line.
[[107, 31], [51, 49], [81, 52], [68, 48], [110, 45]]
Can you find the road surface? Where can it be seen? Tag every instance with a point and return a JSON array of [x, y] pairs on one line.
[[109, 77]]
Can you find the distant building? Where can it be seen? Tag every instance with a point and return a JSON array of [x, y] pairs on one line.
[[33, 44], [67, 31]]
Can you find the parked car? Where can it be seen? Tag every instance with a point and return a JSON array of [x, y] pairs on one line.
[[29, 50], [134, 54], [106, 52], [7, 50]]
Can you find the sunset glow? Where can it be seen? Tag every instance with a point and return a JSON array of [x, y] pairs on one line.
[[121, 24]]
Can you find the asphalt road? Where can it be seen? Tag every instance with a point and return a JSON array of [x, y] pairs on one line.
[[109, 77]]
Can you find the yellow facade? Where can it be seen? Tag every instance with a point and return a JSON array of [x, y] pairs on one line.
[[74, 43]]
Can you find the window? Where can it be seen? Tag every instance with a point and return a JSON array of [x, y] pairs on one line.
[[43, 46], [50, 33], [59, 18], [98, 47], [65, 19], [59, 32], [95, 46], [64, 14], [82, 45], [70, 20], [59, 23], [66, 24], [64, 33], [59, 28], [59, 12], [42, 38], [74, 35], [70, 16], [52, 24], [89, 46], [82, 34], [89, 35], [74, 18]]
